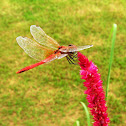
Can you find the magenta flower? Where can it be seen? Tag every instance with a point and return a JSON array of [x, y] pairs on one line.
[[95, 93]]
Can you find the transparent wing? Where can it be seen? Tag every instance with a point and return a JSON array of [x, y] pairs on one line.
[[40, 36], [33, 49], [83, 47], [61, 56], [50, 58], [79, 48], [74, 49]]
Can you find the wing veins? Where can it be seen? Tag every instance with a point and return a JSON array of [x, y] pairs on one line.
[[33, 49]]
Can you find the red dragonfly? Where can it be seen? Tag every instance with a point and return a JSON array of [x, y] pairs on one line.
[[46, 49]]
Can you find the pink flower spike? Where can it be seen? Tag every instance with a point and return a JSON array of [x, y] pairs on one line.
[[95, 93]]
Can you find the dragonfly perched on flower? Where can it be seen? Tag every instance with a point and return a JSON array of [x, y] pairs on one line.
[[46, 49]]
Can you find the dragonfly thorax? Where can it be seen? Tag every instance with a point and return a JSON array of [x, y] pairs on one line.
[[59, 47]]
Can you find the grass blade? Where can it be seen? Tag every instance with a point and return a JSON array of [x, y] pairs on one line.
[[111, 58], [87, 113], [78, 123]]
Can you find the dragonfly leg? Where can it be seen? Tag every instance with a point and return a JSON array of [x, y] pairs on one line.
[[73, 56], [69, 60]]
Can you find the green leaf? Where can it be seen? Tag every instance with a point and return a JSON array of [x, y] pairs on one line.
[[87, 113], [111, 58], [78, 123]]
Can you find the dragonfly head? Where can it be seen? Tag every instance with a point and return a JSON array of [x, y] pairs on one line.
[[67, 49]]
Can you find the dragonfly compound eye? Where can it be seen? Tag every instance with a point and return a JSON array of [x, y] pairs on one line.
[[70, 45]]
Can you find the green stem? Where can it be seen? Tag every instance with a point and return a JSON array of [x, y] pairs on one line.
[[111, 58], [87, 113]]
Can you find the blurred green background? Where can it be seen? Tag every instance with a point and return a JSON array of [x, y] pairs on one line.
[[50, 95]]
